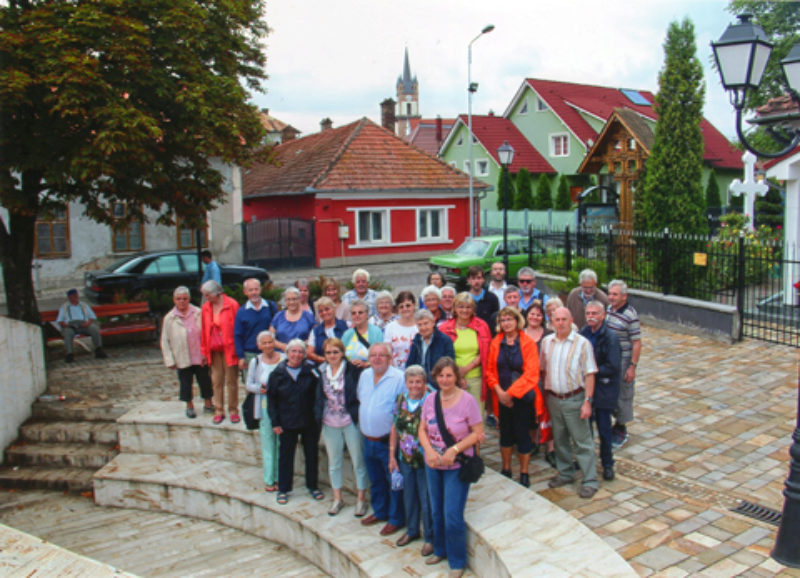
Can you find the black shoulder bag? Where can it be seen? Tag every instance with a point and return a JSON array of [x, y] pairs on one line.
[[248, 407], [471, 466]]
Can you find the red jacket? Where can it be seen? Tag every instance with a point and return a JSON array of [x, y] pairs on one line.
[[484, 337], [227, 316]]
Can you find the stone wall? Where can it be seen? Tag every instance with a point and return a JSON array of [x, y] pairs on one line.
[[23, 377]]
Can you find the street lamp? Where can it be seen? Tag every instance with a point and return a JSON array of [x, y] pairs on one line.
[[472, 87], [505, 152], [741, 54]]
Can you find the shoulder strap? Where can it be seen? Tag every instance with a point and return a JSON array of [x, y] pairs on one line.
[[446, 435], [360, 337]]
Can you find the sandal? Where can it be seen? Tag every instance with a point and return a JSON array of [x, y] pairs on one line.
[[283, 498], [218, 419], [272, 488], [235, 418], [316, 494]]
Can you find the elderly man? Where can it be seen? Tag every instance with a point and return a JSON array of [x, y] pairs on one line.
[[486, 303], [429, 345], [77, 318], [580, 296], [251, 319], [526, 279], [497, 282], [360, 291], [624, 321], [606, 389], [448, 300], [378, 388], [512, 297], [569, 366]]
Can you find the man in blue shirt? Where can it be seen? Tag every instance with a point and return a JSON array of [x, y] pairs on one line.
[[212, 272], [526, 279], [251, 319], [76, 318], [378, 388]]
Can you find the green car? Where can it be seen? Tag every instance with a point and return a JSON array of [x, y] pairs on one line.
[[484, 251]]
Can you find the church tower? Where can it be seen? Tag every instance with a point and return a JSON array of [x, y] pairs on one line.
[[407, 100]]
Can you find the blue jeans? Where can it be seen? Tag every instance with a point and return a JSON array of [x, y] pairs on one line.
[[335, 440], [386, 504], [416, 501], [448, 497], [602, 418]]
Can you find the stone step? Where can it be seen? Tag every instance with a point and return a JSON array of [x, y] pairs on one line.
[[60, 454], [77, 410], [69, 431], [47, 478]]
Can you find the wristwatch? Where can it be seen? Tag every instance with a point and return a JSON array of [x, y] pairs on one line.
[[590, 399]]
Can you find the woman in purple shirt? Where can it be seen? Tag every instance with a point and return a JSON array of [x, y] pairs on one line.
[[448, 494]]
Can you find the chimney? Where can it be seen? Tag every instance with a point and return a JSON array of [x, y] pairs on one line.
[[438, 130], [289, 133], [387, 115], [325, 124]]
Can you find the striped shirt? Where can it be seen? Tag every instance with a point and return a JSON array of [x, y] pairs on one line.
[[625, 323], [567, 362]]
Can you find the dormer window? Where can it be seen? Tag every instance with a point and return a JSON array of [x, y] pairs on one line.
[[524, 108], [540, 105], [460, 141]]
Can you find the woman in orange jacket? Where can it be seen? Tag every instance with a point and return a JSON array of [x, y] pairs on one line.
[[219, 314], [512, 373]]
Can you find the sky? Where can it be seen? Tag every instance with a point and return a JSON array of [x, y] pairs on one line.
[[341, 59]]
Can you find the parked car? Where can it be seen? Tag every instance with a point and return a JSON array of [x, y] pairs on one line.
[[484, 251], [162, 271]]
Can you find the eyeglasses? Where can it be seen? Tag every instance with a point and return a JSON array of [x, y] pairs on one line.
[[378, 355], [333, 352], [525, 281], [406, 306]]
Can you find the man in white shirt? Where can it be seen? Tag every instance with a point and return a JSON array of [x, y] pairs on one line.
[[76, 318], [497, 284]]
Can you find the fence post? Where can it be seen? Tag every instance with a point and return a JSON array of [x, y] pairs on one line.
[[610, 253], [567, 251], [666, 274], [530, 245], [740, 285], [244, 242]]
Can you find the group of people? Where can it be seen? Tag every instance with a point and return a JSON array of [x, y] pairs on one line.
[[406, 384]]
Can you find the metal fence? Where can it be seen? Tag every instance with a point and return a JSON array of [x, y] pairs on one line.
[[755, 275], [279, 242]]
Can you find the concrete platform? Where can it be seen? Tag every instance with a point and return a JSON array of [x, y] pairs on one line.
[[511, 531]]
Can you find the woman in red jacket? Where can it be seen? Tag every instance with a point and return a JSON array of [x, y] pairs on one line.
[[219, 314], [512, 372]]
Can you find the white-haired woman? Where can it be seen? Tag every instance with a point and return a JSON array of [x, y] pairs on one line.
[[293, 322], [291, 393], [219, 349], [358, 339], [261, 366], [182, 349], [431, 299], [384, 310], [360, 291]]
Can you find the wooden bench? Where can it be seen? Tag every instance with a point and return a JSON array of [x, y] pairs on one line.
[[114, 319]]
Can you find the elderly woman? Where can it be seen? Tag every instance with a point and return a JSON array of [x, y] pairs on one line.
[[448, 303], [447, 493], [219, 349], [429, 345], [182, 350], [512, 373], [291, 394], [293, 322], [329, 326], [333, 291], [471, 337], [258, 374], [336, 410], [430, 299], [542, 431], [360, 336], [305, 294], [549, 308], [360, 291], [405, 455], [384, 310], [400, 333]]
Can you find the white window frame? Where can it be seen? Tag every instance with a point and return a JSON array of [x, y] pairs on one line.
[[552, 141], [444, 230], [541, 105], [523, 110], [467, 167], [482, 167], [460, 141], [386, 219]]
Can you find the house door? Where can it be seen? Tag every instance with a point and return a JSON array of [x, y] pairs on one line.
[[279, 243]]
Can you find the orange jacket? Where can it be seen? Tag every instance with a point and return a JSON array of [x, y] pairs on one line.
[[227, 317], [530, 366]]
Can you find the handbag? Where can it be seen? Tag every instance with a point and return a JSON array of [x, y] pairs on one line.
[[248, 411], [472, 467], [215, 339]]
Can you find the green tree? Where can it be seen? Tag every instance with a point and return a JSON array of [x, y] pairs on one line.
[[504, 179], [563, 200], [524, 197], [111, 100], [769, 208], [673, 193], [544, 193], [712, 191], [736, 204]]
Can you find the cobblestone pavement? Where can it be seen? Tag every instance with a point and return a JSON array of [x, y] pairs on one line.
[[713, 426]]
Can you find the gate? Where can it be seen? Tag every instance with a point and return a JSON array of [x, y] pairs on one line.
[[279, 243]]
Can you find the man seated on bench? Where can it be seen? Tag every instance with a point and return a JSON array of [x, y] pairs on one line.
[[76, 318]]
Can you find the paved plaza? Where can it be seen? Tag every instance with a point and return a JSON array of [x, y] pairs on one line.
[[713, 427]]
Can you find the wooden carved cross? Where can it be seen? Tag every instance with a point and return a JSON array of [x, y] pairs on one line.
[[749, 188]]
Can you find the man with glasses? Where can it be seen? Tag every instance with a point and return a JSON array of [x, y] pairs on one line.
[[378, 388], [526, 279], [580, 296]]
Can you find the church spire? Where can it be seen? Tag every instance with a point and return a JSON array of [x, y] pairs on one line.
[[406, 80]]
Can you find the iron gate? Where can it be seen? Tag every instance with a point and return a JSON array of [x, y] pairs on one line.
[[279, 243]]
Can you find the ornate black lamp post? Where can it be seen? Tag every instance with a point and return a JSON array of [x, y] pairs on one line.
[[742, 54], [505, 152]]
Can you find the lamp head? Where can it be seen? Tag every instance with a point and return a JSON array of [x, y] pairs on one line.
[[791, 68], [741, 55], [505, 152], [488, 28]]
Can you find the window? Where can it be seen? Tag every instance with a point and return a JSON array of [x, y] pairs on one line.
[[163, 264], [559, 145], [454, 164], [632, 144], [372, 227], [52, 234], [540, 105], [482, 168], [524, 108], [187, 237], [460, 141], [466, 167], [125, 236], [430, 224]]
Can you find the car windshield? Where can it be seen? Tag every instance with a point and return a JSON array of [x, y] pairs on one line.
[[123, 264], [472, 248]]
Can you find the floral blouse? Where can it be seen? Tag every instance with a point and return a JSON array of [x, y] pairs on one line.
[[406, 422]]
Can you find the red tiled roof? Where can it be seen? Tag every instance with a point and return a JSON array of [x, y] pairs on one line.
[[492, 131], [360, 156], [423, 134], [768, 164], [565, 99]]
